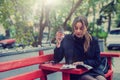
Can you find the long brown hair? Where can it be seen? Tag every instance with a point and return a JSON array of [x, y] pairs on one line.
[[88, 37]]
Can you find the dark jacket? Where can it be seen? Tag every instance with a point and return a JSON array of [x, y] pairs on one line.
[[72, 49]]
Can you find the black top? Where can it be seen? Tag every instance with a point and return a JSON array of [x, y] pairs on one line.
[[73, 50]]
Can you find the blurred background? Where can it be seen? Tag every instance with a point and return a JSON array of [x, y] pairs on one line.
[[31, 24], [34, 22]]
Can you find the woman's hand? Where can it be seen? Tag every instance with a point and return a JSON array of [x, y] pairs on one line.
[[78, 63], [59, 37]]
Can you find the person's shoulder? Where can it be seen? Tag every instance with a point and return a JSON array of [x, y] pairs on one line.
[[68, 36], [94, 39]]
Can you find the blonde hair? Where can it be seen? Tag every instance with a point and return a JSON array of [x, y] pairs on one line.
[[88, 37]]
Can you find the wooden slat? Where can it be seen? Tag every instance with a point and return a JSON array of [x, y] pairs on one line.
[[110, 54], [27, 76], [110, 72], [4, 66]]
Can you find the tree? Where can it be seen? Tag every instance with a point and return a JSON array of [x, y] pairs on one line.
[[109, 9], [76, 5], [14, 13]]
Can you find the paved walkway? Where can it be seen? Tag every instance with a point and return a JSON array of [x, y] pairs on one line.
[[116, 68]]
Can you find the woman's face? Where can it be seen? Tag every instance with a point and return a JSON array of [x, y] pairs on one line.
[[79, 30]]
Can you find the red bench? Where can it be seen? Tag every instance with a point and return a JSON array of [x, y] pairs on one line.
[[7, 41], [11, 65]]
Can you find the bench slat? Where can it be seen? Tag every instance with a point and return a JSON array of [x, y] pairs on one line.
[[5, 66], [28, 76]]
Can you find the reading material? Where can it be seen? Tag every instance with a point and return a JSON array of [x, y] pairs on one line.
[[71, 66]]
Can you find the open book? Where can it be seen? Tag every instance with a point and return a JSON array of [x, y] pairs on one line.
[[71, 66]]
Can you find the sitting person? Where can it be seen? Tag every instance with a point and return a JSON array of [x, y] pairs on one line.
[[78, 48]]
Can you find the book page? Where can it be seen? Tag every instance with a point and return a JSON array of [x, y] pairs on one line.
[[71, 66], [84, 66], [68, 66]]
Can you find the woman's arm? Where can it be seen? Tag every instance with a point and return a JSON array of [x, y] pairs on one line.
[[58, 54], [59, 51]]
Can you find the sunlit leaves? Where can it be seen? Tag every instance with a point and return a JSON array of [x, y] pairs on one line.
[[18, 13]]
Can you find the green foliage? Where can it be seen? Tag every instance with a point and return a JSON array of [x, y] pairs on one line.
[[15, 15], [99, 32], [25, 35]]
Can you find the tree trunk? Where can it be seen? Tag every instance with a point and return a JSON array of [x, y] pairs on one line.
[[93, 7], [71, 12], [40, 34], [41, 26], [44, 20], [109, 22]]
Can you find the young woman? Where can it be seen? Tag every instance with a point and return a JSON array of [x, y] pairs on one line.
[[78, 48]]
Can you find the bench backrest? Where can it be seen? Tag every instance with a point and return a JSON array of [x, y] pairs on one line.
[[10, 65]]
